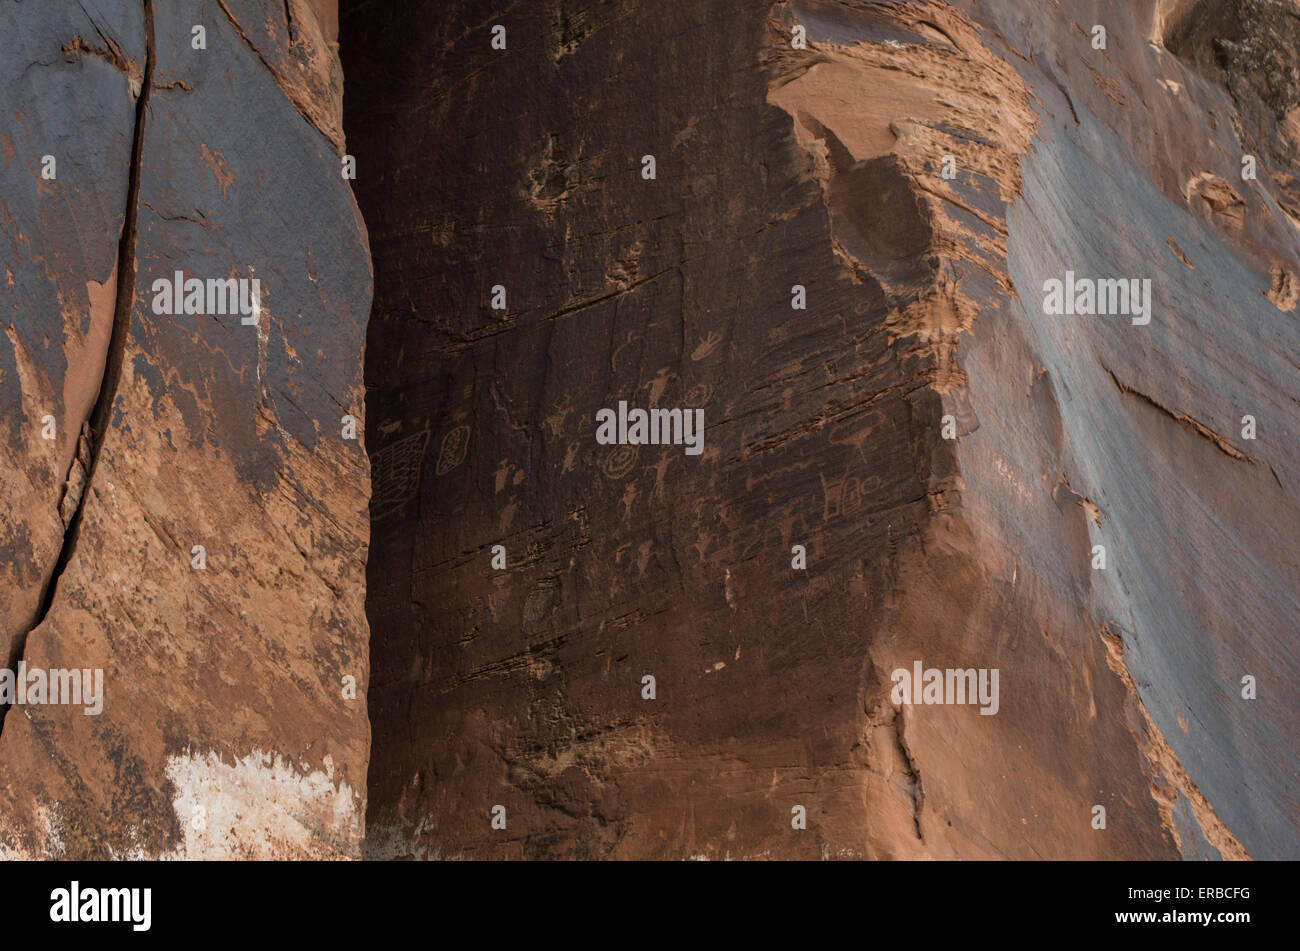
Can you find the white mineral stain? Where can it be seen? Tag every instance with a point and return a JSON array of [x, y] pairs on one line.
[[262, 807]]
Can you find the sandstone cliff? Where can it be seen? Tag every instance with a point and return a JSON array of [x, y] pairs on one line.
[[197, 527], [831, 226], [805, 143]]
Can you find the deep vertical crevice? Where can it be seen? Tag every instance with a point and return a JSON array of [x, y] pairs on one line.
[[92, 437]]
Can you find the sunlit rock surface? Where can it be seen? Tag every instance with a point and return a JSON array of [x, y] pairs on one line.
[[224, 729]]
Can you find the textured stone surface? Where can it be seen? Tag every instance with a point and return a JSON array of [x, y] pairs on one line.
[[224, 731], [821, 167], [226, 728], [60, 261]]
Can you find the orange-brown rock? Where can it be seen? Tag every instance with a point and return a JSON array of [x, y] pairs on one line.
[[197, 529], [922, 170], [987, 307]]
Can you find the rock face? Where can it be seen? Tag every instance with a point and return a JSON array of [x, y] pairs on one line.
[[196, 529], [971, 327], [1106, 529]]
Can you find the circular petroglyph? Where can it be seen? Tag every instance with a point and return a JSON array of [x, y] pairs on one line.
[[619, 461]]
